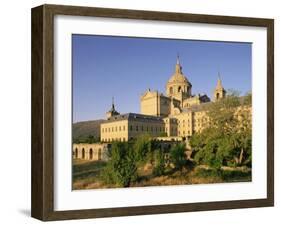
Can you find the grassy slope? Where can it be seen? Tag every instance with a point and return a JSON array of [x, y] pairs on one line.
[[86, 176], [84, 129]]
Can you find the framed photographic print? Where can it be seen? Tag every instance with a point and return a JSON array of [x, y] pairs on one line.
[[141, 112]]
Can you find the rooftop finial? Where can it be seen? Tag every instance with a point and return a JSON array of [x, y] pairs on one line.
[[178, 58], [219, 75], [113, 107], [178, 66]]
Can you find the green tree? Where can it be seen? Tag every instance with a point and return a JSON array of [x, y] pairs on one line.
[[178, 156], [121, 168], [143, 148], [227, 140], [159, 162]]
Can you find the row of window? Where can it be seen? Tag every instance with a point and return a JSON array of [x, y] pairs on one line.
[[178, 89], [188, 121], [198, 123], [183, 133], [171, 120], [133, 128], [113, 139], [114, 129]]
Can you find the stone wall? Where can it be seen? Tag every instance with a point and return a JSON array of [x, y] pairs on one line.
[[92, 152]]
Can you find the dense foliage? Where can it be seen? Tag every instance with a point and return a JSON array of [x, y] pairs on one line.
[[121, 169], [227, 141], [159, 163], [178, 157], [142, 148]]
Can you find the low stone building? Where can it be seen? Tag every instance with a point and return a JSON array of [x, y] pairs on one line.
[[93, 152], [129, 126]]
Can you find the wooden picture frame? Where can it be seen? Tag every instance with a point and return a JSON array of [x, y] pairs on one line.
[[42, 203]]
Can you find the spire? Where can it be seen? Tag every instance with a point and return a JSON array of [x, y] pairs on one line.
[[112, 111], [178, 66], [219, 82], [178, 59], [113, 107], [219, 92]]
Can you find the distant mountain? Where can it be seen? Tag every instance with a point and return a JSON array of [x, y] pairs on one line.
[[85, 129]]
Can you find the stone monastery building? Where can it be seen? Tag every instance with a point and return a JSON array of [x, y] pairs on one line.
[[175, 115]]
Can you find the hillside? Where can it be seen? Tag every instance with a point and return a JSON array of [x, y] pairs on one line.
[[86, 128]]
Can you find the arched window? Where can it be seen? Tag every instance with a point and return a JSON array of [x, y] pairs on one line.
[[91, 153], [83, 153], [171, 90], [217, 95], [99, 154], [179, 89]]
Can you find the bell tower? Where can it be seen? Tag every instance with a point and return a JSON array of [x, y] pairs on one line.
[[178, 86], [112, 111], [219, 92]]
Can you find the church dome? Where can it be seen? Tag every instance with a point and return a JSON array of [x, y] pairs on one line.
[[178, 76], [178, 85]]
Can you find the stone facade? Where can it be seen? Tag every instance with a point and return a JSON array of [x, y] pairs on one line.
[[155, 103], [176, 114], [128, 126], [172, 117]]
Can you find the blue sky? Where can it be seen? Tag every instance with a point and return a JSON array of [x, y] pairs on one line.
[[125, 68]]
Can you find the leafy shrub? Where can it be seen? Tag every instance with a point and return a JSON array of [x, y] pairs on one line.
[[142, 148], [178, 157], [159, 167], [121, 169]]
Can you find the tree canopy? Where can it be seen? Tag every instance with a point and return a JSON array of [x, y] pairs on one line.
[[228, 138]]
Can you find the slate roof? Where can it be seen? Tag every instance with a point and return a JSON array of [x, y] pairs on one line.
[[134, 117]]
